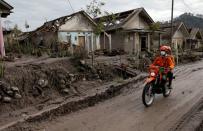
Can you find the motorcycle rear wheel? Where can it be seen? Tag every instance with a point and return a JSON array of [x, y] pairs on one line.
[[148, 95]]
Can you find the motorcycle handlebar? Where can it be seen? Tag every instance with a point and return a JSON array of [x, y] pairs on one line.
[[166, 68]]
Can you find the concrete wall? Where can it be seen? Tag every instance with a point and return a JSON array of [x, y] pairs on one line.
[[117, 39], [77, 23], [104, 42], [137, 43], [178, 39], [45, 38], [129, 46], [155, 38], [90, 38], [136, 22], [177, 43], [178, 34], [129, 42], [120, 40]]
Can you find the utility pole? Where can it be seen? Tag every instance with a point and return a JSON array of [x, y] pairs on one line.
[[172, 23], [175, 46]]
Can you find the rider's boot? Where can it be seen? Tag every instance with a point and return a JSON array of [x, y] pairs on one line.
[[170, 76], [170, 87], [170, 84]]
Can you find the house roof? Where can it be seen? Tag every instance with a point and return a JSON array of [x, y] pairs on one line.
[[6, 31], [121, 18], [5, 8], [176, 26], [193, 33], [54, 25], [23, 36]]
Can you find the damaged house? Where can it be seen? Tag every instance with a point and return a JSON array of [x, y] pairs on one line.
[[75, 31], [180, 35], [195, 41], [5, 10], [130, 31]]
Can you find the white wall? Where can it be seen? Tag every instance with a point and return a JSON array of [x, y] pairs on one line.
[[137, 43], [77, 23], [178, 34], [178, 39], [136, 22], [129, 43]]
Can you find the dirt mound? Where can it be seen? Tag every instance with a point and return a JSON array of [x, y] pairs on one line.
[[39, 83]]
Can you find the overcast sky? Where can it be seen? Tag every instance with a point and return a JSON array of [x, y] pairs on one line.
[[36, 12]]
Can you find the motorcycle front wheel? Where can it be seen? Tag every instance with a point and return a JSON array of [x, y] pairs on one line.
[[148, 95]]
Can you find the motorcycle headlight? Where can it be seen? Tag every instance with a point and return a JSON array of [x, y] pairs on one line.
[[152, 74]]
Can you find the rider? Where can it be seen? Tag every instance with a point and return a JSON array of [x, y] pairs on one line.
[[166, 60]]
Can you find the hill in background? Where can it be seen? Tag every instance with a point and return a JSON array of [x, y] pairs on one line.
[[191, 20]]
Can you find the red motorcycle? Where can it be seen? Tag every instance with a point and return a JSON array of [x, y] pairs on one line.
[[156, 83]]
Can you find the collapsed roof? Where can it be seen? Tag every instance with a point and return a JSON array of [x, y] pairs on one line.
[[117, 20], [56, 23], [5, 8], [53, 25]]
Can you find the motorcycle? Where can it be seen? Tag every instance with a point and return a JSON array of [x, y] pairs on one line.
[[156, 83]]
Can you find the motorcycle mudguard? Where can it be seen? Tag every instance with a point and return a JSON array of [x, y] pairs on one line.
[[149, 79]]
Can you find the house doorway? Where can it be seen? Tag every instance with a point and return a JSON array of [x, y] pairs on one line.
[[81, 41], [143, 40]]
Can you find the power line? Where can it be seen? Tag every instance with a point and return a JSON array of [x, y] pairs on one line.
[[71, 6], [187, 6]]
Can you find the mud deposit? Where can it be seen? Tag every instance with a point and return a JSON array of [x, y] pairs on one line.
[[126, 112], [123, 112], [28, 77], [70, 107], [47, 82]]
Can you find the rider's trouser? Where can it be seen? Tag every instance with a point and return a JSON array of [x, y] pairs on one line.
[[170, 76]]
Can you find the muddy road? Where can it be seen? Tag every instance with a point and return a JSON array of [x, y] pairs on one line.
[[127, 113]]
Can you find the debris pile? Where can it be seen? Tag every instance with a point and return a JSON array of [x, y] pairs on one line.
[[114, 52], [100, 71], [8, 93], [62, 80], [47, 81], [139, 64], [188, 56], [106, 52]]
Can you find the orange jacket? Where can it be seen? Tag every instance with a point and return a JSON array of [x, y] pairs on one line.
[[164, 62]]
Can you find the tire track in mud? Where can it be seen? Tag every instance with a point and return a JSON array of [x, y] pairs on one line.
[[192, 120], [186, 72]]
